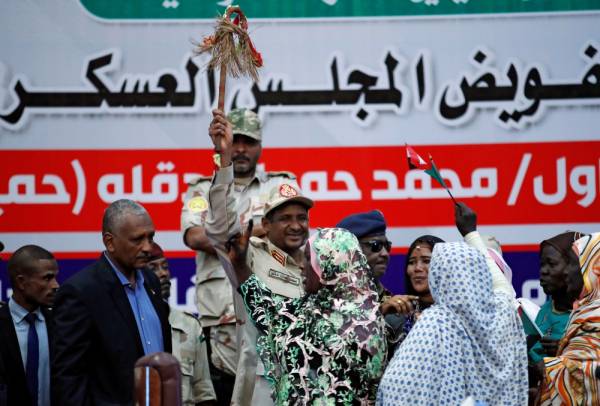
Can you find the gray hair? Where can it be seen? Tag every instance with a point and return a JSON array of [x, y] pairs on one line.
[[117, 211]]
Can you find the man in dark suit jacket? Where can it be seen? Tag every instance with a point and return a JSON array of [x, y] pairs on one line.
[[32, 271], [109, 314]]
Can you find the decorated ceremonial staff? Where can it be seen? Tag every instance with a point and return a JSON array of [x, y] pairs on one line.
[[236, 57]]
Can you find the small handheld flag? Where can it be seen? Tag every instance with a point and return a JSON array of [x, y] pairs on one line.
[[416, 162]]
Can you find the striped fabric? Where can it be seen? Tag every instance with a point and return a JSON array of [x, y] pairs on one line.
[[570, 377]]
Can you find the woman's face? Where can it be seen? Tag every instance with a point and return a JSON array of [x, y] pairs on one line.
[[553, 271], [418, 268], [309, 277]]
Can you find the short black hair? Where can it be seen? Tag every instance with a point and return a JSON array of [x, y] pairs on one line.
[[22, 260]]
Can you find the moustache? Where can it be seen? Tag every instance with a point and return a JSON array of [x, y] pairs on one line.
[[240, 158]]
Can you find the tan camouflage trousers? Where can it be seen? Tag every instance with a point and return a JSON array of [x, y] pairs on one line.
[[223, 348]]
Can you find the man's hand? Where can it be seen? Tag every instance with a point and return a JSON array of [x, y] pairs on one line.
[[221, 134], [237, 250], [401, 304], [465, 218]]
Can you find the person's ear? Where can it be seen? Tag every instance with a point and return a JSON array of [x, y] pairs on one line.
[[20, 282], [266, 224], [108, 240]]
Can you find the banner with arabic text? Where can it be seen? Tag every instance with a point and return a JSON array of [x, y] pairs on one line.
[[102, 100]]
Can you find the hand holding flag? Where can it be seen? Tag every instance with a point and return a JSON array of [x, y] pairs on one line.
[[416, 162]]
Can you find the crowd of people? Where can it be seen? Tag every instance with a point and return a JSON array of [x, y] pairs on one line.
[[289, 318]]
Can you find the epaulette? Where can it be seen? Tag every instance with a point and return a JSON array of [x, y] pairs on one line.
[[259, 242], [281, 173], [199, 179]]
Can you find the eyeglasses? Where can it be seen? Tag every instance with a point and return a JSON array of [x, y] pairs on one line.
[[377, 245]]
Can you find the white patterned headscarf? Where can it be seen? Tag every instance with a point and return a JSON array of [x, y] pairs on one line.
[[469, 343]]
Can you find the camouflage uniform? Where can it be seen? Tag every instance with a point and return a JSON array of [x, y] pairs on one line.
[[214, 293], [273, 266], [189, 347]]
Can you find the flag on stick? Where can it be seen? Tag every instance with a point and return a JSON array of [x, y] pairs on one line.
[[416, 162]]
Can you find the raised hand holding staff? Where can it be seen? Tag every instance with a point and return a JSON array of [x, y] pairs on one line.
[[221, 134]]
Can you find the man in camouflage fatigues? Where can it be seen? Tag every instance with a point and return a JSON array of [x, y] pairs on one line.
[[218, 304], [189, 344]]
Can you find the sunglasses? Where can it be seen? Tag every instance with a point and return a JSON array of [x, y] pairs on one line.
[[377, 245]]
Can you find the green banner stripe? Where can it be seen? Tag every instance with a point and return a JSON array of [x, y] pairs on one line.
[[208, 9]]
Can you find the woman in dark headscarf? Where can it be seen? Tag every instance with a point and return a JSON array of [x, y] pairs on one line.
[[556, 258], [418, 297]]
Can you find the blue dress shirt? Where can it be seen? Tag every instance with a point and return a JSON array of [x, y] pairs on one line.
[[147, 320], [18, 313]]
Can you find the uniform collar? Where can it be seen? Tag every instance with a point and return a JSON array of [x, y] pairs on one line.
[[277, 253], [260, 176]]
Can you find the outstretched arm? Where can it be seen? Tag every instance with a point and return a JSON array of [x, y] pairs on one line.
[[222, 223], [466, 222]]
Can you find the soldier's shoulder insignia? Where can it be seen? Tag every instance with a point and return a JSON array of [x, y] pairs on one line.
[[197, 204], [199, 179], [285, 174]]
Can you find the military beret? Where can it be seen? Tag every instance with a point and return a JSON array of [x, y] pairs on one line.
[[364, 224], [156, 252]]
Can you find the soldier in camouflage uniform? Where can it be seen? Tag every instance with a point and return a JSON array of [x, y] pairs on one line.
[[189, 344], [218, 304]]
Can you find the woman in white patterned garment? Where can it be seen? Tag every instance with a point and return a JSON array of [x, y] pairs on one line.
[[470, 342]]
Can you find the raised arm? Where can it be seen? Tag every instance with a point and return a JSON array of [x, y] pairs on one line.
[[222, 222], [466, 222]]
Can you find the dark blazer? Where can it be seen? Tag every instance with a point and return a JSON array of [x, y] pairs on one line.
[[96, 339], [12, 372]]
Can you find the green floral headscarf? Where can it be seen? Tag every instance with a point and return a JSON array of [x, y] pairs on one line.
[[328, 347]]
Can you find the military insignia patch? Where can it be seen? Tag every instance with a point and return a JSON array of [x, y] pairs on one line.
[[279, 257], [286, 190], [197, 204]]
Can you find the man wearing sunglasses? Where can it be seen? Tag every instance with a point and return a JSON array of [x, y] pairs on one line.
[[369, 228]]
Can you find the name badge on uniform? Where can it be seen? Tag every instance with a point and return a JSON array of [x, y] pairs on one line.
[[284, 278]]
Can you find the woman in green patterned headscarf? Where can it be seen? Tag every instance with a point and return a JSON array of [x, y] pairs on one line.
[[329, 346]]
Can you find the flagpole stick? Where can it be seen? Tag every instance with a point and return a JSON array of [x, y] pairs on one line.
[[452, 197], [222, 82]]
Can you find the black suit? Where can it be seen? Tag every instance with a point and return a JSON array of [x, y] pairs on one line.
[[96, 340], [12, 372]]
